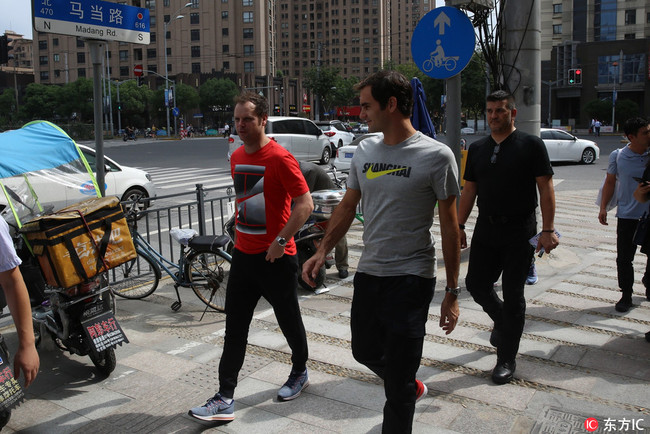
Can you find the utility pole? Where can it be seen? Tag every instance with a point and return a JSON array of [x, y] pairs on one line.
[[523, 70]]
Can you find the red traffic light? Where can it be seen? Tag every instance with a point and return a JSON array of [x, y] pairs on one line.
[[578, 71]]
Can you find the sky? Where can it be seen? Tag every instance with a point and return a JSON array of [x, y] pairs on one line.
[[17, 16]]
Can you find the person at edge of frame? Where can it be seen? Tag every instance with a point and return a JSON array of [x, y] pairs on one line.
[[264, 261], [502, 172], [399, 179]]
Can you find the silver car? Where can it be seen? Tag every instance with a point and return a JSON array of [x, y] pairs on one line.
[[299, 136]]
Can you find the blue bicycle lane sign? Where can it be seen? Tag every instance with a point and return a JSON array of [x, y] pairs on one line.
[[443, 42]]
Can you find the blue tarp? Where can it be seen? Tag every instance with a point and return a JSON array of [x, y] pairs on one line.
[[36, 146], [420, 118]]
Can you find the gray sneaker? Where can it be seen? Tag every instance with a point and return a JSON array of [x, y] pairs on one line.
[[296, 382], [216, 409]]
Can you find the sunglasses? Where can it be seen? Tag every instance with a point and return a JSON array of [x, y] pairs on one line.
[[497, 148]]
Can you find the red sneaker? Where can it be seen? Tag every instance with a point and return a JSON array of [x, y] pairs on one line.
[[421, 390]]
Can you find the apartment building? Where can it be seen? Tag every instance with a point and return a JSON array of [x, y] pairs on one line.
[[267, 45], [609, 40]]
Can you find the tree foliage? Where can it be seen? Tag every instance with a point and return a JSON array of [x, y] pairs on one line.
[[217, 92]]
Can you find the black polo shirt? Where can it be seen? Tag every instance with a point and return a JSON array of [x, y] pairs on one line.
[[507, 187]]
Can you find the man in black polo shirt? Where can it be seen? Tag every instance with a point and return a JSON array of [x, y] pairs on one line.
[[503, 171]]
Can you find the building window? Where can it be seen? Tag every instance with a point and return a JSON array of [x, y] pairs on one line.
[[226, 66], [124, 71], [42, 60], [557, 29], [45, 75], [557, 8], [247, 16], [150, 4], [81, 72], [124, 55], [166, 3], [630, 17], [194, 18], [153, 68], [151, 53], [195, 4], [137, 54], [224, 15], [647, 19], [247, 3], [42, 45], [57, 73], [56, 57], [224, 31], [248, 33], [249, 66], [55, 41], [152, 37], [196, 51], [195, 35], [81, 57], [225, 48], [248, 50], [196, 68]]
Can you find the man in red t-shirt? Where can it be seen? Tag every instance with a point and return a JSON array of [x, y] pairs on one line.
[[264, 263]]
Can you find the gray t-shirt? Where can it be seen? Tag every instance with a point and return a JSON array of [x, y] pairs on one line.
[[628, 165], [399, 186], [8, 258]]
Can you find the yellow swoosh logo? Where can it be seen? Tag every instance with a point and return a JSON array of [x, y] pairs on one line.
[[370, 174]]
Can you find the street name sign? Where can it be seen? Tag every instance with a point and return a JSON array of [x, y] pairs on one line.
[[443, 42], [92, 19]]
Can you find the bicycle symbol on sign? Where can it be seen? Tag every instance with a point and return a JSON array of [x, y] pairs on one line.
[[439, 59]]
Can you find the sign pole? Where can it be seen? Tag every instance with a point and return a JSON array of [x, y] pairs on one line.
[[96, 48]]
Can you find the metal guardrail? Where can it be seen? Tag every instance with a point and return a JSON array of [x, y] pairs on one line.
[[204, 210]]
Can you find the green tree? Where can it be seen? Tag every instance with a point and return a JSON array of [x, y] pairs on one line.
[[626, 109], [321, 81], [187, 97], [599, 109], [41, 102], [134, 101], [77, 97], [8, 112], [217, 92], [472, 88]]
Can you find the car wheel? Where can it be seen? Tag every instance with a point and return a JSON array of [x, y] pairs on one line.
[[327, 154], [588, 156], [135, 195]]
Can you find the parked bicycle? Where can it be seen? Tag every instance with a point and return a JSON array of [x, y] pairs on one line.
[[203, 266]]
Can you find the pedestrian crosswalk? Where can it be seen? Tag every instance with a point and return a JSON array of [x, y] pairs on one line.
[[183, 179]]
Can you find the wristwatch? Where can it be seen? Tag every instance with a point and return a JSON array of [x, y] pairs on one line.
[[455, 291], [281, 241]]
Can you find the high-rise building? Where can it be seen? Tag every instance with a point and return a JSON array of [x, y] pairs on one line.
[[609, 41], [267, 45]]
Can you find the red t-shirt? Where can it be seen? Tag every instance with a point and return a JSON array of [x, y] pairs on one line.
[[265, 182]]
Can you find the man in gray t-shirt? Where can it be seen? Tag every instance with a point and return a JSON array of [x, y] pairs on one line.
[[399, 177]]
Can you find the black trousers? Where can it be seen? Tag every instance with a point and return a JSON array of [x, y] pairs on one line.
[[625, 251], [252, 277], [388, 320], [502, 248]]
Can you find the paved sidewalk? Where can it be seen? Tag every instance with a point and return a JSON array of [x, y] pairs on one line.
[[579, 358]]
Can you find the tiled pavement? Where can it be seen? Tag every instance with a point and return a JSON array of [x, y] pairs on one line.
[[579, 358]]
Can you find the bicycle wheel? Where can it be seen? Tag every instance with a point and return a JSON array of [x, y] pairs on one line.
[[135, 279], [208, 274]]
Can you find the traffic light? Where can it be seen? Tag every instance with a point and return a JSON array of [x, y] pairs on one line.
[[578, 76], [5, 49], [572, 77], [119, 105]]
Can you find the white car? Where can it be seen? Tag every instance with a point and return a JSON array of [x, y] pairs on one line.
[[563, 146], [299, 136], [344, 154], [337, 133], [60, 190], [467, 130]]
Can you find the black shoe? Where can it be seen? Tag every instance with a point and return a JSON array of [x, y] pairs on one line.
[[647, 293], [343, 274], [624, 304], [495, 338], [503, 371], [647, 336]]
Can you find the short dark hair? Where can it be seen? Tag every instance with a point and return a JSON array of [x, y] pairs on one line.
[[633, 125], [500, 95], [259, 101], [384, 84]]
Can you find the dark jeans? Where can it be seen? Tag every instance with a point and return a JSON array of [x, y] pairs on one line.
[[252, 277], [625, 251], [388, 321], [504, 249]]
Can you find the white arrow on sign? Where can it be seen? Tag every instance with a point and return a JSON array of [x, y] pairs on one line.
[[440, 21]]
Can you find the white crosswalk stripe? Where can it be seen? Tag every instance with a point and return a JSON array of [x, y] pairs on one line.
[[185, 179]]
